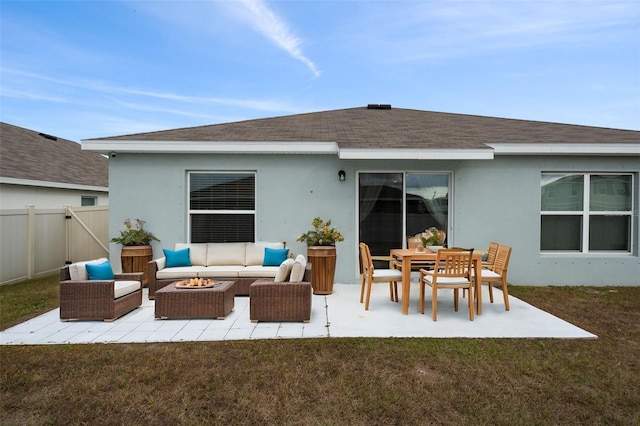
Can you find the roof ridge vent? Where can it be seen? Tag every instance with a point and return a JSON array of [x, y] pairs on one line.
[[379, 106], [46, 136]]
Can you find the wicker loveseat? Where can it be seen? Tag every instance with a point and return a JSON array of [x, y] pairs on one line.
[[240, 262], [84, 299]]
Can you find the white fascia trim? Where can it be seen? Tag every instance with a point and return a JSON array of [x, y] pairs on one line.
[[199, 147], [565, 148], [44, 184], [416, 154]]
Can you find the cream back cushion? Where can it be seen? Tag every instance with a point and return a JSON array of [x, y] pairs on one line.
[[78, 271], [197, 252], [283, 271], [298, 268], [225, 254], [255, 251]]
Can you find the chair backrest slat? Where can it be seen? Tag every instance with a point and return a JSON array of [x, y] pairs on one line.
[[366, 263], [453, 262], [491, 253], [502, 259]]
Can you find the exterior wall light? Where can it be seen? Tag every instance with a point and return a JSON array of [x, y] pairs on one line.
[[342, 176]]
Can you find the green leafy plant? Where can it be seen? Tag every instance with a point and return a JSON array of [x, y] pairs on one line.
[[432, 238], [322, 234], [134, 234]]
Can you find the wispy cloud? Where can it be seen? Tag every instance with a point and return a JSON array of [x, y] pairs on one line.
[[265, 21], [195, 17], [262, 105], [30, 95], [426, 30], [108, 89]]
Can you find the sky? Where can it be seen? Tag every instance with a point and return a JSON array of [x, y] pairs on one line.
[[90, 69]]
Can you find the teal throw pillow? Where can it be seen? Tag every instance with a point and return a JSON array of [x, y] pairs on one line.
[[177, 258], [100, 271], [274, 257]]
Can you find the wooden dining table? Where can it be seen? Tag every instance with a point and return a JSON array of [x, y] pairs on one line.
[[403, 258]]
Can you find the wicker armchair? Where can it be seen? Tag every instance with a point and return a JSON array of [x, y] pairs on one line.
[[286, 301], [96, 300]]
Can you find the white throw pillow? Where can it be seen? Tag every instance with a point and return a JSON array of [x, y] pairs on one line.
[[298, 268], [283, 271]]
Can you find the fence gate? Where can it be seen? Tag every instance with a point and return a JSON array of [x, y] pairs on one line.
[[87, 233]]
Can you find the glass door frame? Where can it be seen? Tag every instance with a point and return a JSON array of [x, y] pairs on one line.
[[404, 173]]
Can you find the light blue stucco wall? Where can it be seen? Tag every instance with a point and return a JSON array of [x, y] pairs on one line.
[[492, 200], [500, 201], [291, 190]]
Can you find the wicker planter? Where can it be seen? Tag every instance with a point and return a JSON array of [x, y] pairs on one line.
[[135, 259], [323, 259]]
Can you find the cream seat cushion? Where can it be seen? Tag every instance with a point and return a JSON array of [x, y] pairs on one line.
[[122, 288], [255, 271], [487, 273], [179, 272], [222, 271], [447, 280], [388, 274]]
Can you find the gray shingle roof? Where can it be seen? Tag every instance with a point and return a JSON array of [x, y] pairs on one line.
[[26, 154], [363, 128]]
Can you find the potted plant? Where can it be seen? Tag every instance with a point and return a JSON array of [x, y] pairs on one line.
[[433, 238], [321, 251], [136, 247], [134, 235]]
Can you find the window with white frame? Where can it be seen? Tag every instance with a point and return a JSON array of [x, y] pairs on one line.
[[86, 200], [222, 207], [586, 212]]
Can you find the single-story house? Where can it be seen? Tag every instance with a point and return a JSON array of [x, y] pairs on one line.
[[49, 172], [564, 197]]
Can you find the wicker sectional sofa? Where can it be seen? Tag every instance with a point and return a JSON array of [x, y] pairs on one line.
[[240, 262]]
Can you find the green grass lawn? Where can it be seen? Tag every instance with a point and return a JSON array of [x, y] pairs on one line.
[[28, 299], [341, 381]]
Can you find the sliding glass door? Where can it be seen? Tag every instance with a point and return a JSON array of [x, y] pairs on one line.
[[381, 211], [393, 206]]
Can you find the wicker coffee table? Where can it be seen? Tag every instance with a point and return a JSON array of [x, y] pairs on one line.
[[214, 302]]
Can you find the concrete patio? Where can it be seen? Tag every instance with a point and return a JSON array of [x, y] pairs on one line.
[[337, 315]]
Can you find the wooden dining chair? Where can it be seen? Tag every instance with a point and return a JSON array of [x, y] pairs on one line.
[[370, 275], [498, 273], [453, 271], [491, 255]]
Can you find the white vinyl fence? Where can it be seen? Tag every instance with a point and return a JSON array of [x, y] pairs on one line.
[[35, 243]]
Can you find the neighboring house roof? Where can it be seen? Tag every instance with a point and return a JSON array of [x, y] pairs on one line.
[[32, 158], [382, 132]]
